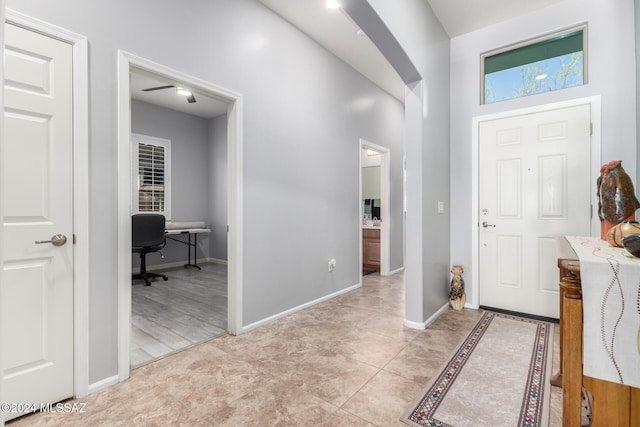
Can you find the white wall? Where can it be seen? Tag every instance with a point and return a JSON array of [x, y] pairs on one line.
[[611, 65]]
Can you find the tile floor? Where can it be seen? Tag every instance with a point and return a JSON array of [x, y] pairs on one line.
[[345, 362]]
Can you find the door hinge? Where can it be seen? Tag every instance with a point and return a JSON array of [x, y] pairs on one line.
[[591, 129], [74, 238], [227, 228], [591, 211]]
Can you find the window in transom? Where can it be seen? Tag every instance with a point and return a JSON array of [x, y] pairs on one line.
[[544, 64]]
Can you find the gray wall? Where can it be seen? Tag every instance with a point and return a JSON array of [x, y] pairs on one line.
[[416, 29], [300, 103], [218, 187], [191, 197], [612, 75]]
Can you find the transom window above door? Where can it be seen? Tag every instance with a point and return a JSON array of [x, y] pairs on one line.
[[552, 62]]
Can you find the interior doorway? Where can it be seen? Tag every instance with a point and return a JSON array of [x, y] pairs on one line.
[[179, 170], [128, 64], [374, 207]]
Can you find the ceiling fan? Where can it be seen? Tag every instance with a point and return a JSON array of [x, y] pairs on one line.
[[181, 91]]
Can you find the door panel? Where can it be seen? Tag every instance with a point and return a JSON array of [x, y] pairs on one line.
[[552, 188], [534, 185], [37, 308], [509, 251]]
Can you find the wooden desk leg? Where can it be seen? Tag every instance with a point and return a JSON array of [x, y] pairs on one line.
[[572, 357], [556, 379]]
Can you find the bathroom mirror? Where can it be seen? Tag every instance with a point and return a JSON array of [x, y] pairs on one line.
[[371, 208]]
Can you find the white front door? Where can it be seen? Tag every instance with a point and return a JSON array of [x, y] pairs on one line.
[[37, 285], [535, 184]]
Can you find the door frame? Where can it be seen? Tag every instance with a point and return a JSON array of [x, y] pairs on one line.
[[385, 184], [596, 118], [80, 132], [126, 61]]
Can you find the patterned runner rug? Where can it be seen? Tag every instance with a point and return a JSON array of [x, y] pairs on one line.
[[498, 376]]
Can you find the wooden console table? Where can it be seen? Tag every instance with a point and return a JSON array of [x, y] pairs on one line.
[[613, 404]]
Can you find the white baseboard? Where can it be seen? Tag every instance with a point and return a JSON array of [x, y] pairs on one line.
[[177, 264], [430, 320], [217, 261], [414, 325], [102, 384], [298, 308], [397, 270]]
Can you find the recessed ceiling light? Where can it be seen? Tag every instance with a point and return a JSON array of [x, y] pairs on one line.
[[183, 92], [360, 32], [332, 4]]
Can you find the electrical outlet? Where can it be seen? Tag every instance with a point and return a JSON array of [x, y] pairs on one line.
[[332, 264]]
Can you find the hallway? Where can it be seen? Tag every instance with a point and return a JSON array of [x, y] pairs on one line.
[[345, 362]]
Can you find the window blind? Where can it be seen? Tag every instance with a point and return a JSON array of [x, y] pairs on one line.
[[151, 178]]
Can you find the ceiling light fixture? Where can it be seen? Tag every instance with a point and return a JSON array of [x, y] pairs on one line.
[[183, 92], [332, 4], [541, 76], [360, 32]]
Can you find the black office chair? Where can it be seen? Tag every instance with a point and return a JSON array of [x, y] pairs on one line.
[[147, 235]]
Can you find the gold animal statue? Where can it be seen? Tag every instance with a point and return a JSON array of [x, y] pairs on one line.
[[457, 297]]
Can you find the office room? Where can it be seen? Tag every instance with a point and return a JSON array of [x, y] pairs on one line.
[[178, 162]]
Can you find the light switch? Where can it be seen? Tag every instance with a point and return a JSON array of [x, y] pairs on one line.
[[440, 207]]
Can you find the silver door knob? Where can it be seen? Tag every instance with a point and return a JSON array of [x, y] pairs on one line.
[[485, 224], [57, 240]]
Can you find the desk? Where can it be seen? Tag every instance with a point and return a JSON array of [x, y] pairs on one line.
[[189, 232], [613, 404]]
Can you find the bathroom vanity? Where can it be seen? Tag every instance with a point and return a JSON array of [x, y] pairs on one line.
[[371, 247]]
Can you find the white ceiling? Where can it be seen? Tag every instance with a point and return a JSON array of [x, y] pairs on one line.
[[464, 16], [333, 29], [205, 106], [336, 31]]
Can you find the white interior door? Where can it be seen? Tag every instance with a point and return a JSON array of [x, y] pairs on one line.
[[535, 184], [37, 304]]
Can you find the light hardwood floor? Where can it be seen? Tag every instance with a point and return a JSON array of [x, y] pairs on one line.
[[171, 315]]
